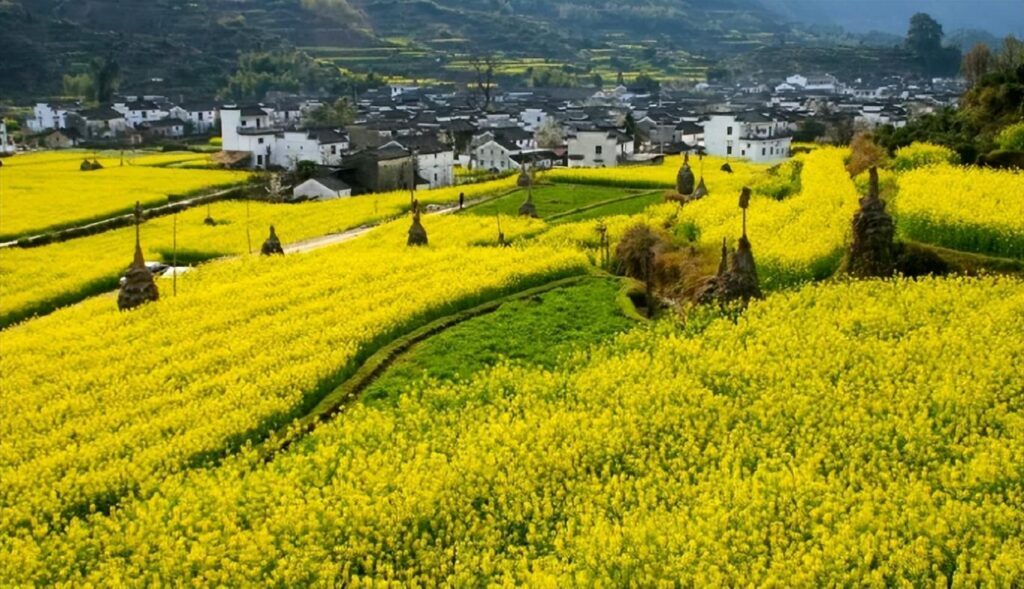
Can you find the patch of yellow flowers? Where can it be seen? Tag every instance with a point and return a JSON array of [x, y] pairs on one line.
[[965, 208], [798, 238], [660, 176], [47, 190], [861, 433], [37, 279], [100, 404]]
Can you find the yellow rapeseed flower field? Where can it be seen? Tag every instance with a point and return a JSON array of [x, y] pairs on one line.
[[35, 280], [46, 191], [855, 433], [966, 208], [798, 238], [100, 404], [661, 176]]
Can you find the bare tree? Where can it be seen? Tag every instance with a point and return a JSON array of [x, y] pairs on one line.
[[484, 67], [977, 62]]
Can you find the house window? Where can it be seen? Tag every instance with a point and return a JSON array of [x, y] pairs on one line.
[[200, 116], [728, 150], [259, 160], [258, 123], [744, 152], [762, 151], [260, 141], [243, 122], [598, 150], [728, 130], [334, 149]]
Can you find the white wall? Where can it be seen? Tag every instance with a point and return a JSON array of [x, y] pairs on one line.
[[437, 168], [313, 189], [593, 149]]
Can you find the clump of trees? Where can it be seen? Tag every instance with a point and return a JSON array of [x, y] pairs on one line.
[[288, 70], [924, 42], [994, 101], [338, 114]]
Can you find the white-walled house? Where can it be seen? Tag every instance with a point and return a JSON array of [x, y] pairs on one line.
[[251, 129], [533, 119], [46, 116], [103, 122], [436, 166], [754, 136], [598, 148], [140, 111], [322, 188], [247, 128], [496, 155], [321, 146], [201, 116], [7, 146], [873, 115]]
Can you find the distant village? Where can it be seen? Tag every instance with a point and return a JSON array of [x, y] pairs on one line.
[[438, 130]]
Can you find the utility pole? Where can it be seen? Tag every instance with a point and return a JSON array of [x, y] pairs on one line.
[[174, 256]]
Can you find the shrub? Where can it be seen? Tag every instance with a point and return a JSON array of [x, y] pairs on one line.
[[216, 141], [918, 155], [1011, 138]]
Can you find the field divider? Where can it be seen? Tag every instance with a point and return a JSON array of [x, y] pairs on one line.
[[375, 365], [599, 204], [109, 284]]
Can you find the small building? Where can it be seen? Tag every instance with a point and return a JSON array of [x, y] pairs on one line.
[[496, 155], [755, 136], [137, 112], [7, 146], [599, 148], [102, 122], [200, 116], [325, 187], [46, 116], [60, 139], [168, 127]]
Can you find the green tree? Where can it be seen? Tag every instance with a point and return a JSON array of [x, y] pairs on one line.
[[78, 86], [924, 41], [977, 63], [106, 77], [338, 114]]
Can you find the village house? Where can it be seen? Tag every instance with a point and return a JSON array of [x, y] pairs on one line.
[[7, 146], [598, 148], [46, 116], [496, 155], [752, 135], [321, 146], [200, 116], [322, 187], [382, 169], [140, 111], [435, 162], [168, 128], [101, 122]]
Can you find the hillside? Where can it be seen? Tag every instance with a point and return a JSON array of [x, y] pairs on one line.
[[186, 46]]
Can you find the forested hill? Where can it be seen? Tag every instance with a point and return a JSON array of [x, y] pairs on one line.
[[194, 44]]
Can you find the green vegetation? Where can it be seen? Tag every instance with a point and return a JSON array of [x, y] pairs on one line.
[[994, 102], [550, 199], [622, 206], [538, 331]]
